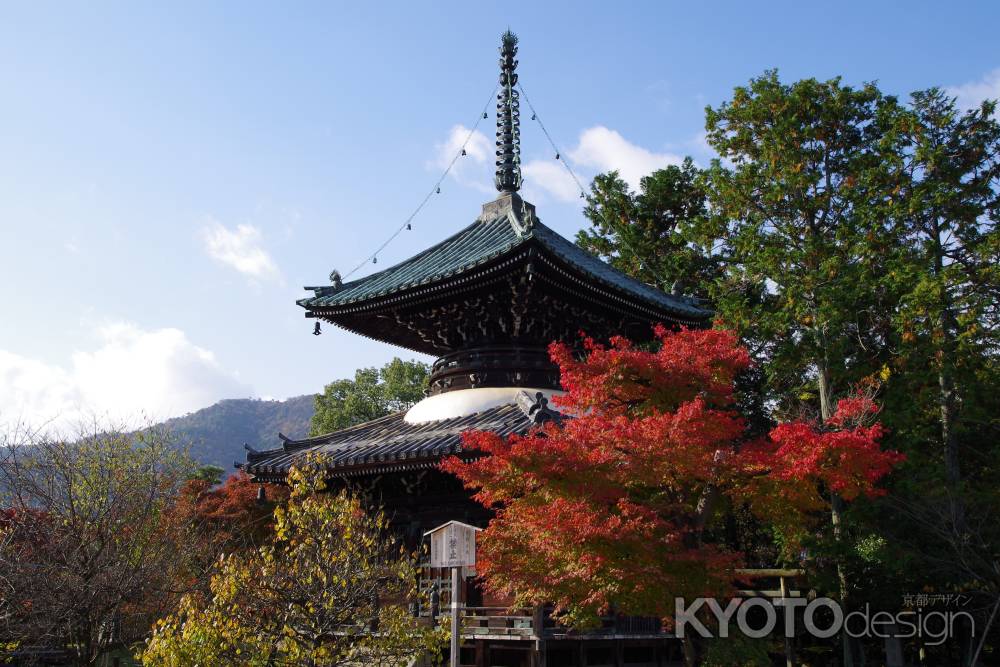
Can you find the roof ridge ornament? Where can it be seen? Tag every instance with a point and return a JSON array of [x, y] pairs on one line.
[[521, 218], [536, 408], [508, 174]]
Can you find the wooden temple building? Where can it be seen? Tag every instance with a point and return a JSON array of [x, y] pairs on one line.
[[485, 302]]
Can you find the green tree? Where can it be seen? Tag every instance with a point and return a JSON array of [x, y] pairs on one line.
[[945, 380], [800, 214], [949, 208], [799, 199], [858, 243], [373, 393], [648, 234], [83, 548], [209, 474], [333, 589]]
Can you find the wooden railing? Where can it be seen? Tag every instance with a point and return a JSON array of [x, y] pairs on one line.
[[526, 623], [498, 621]]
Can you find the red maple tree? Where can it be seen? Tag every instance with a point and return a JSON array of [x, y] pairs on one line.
[[231, 510], [221, 519], [609, 508]]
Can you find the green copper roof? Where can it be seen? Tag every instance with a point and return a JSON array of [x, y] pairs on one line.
[[475, 244], [481, 242], [583, 260]]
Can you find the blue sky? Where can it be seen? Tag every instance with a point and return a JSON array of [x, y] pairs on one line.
[[172, 174]]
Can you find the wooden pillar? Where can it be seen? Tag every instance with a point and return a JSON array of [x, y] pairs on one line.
[[538, 656], [789, 651], [538, 621], [581, 652], [893, 647], [481, 653], [456, 623], [619, 649]]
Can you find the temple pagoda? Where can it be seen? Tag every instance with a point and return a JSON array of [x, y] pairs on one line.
[[485, 302]]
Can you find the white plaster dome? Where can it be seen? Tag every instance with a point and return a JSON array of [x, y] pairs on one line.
[[464, 402]]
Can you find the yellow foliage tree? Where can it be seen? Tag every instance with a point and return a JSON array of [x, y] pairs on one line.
[[334, 589]]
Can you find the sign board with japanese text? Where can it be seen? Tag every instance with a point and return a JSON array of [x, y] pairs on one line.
[[453, 545]]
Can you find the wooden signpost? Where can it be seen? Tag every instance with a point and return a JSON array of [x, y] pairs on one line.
[[453, 545]]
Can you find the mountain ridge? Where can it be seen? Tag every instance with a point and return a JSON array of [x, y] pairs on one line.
[[216, 434]]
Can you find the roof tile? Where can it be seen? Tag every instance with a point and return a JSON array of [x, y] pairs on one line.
[[389, 439], [481, 242]]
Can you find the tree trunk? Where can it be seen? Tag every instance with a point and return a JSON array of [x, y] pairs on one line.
[[948, 409], [705, 507], [825, 391], [948, 394], [836, 508], [984, 634], [691, 657], [948, 404], [836, 503], [893, 647]]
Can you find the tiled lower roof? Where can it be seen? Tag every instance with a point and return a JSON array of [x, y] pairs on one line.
[[391, 442]]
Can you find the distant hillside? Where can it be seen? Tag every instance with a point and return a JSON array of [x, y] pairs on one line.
[[217, 433]]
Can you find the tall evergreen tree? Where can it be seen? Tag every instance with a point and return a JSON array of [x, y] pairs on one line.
[[944, 398], [798, 201], [948, 210], [648, 234], [853, 240]]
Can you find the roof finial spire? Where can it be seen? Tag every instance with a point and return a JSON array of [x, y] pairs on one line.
[[508, 177]]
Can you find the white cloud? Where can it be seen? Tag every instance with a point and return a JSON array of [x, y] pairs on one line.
[[603, 149], [550, 176], [32, 390], [473, 169], [477, 148], [239, 248], [598, 150], [971, 94], [132, 374]]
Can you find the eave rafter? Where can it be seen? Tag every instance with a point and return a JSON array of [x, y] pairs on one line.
[[506, 292]]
